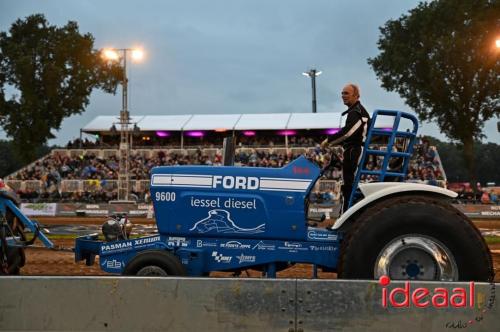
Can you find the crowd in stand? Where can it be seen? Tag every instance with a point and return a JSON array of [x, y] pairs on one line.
[[425, 164], [209, 142], [83, 144], [52, 170], [482, 195]]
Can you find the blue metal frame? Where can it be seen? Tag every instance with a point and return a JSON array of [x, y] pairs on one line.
[[387, 154], [32, 225]]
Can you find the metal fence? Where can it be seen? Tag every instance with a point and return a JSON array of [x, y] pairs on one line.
[[211, 304]]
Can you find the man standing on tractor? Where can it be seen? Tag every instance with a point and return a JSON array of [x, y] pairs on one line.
[[352, 136]]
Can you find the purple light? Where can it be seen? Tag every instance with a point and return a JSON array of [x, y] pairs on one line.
[[194, 133], [287, 132], [387, 129], [332, 131], [249, 133], [160, 133]]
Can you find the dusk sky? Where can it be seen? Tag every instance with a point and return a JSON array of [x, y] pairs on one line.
[[231, 56]]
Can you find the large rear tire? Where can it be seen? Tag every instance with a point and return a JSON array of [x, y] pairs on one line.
[[155, 264], [416, 238]]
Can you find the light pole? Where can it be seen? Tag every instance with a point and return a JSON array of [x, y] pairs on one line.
[[125, 137], [312, 74]]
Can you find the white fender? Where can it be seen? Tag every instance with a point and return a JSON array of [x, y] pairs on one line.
[[377, 190]]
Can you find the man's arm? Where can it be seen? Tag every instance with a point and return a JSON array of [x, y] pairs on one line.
[[352, 124]]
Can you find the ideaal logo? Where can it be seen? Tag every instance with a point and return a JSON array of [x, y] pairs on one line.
[[423, 297], [439, 297]]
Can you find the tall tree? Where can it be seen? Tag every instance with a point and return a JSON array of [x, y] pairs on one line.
[[9, 159], [47, 74], [441, 58]]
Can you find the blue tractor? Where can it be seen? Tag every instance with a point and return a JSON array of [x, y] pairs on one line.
[[237, 218]]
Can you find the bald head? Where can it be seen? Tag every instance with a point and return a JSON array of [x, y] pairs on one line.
[[350, 94]]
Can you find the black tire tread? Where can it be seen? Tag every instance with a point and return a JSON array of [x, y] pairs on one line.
[[164, 259], [370, 215]]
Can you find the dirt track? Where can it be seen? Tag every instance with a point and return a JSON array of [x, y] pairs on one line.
[[46, 262]]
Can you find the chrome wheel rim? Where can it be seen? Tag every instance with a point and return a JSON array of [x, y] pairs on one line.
[[416, 257]]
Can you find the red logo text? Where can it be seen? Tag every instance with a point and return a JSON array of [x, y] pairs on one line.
[[422, 297]]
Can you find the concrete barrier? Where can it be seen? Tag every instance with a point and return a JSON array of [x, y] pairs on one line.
[[210, 304]]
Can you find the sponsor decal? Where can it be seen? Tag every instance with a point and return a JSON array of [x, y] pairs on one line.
[[230, 203], [321, 210], [94, 212], [177, 241], [234, 245], [423, 297], [315, 235], [220, 258], [66, 213], [263, 246], [220, 221], [322, 248], [490, 213], [92, 206], [128, 245], [138, 212], [113, 264], [230, 182], [245, 259], [146, 240], [116, 246], [301, 170], [235, 182], [39, 209], [201, 244], [292, 246]]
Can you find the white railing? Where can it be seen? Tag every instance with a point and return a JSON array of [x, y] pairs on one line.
[[75, 185]]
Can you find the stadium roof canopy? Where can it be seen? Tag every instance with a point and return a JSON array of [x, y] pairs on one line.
[[253, 121]]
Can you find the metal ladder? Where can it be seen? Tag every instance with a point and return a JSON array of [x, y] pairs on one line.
[[393, 133]]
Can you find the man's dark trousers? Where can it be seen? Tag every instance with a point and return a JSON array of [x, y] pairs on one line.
[[349, 167]]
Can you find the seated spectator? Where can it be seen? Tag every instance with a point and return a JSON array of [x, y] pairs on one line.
[[493, 197], [485, 198]]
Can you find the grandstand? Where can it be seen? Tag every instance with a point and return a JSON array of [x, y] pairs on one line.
[[87, 171]]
